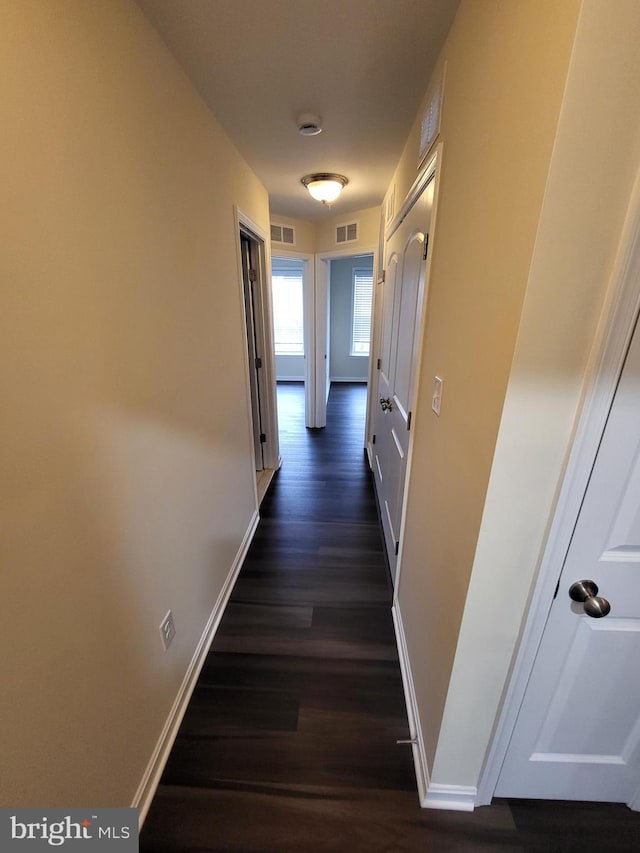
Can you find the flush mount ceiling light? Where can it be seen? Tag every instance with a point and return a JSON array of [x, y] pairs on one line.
[[324, 187]]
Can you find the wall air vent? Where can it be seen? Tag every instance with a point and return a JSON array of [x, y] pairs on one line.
[[347, 233], [283, 234], [391, 206], [430, 126]]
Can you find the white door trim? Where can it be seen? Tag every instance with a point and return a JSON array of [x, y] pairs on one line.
[[308, 289], [421, 182], [322, 319], [613, 335], [268, 400], [430, 172]]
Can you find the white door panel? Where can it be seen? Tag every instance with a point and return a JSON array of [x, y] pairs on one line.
[[610, 647], [578, 731], [397, 468], [387, 318], [412, 277]]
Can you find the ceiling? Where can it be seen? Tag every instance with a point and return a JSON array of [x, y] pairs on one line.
[[362, 65]]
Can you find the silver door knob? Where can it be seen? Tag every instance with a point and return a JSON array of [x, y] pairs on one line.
[[586, 592], [386, 404]]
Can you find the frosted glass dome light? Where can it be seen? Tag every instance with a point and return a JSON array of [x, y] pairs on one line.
[[324, 187]]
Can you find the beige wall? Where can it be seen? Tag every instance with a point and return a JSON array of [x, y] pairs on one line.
[[121, 325], [506, 65], [595, 161]]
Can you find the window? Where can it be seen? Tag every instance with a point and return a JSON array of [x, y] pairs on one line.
[[287, 312], [361, 314]]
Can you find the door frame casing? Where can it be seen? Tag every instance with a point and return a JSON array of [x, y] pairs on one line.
[[250, 259], [611, 342], [308, 296], [264, 333], [428, 174]]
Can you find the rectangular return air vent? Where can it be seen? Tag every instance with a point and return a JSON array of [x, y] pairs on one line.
[[347, 233], [430, 127], [283, 234]]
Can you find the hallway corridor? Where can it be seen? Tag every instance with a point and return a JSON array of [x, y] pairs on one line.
[[289, 742]]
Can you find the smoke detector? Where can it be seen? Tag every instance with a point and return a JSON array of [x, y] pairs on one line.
[[309, 124]]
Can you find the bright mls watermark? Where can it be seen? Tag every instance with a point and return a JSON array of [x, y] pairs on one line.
[[69, 829]]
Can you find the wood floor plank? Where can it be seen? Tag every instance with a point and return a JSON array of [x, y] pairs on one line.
[[297, 819], [576, 827], [223, 710]]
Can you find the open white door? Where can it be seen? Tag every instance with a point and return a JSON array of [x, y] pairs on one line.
[[301, 366], [577, 736], [323, 325]]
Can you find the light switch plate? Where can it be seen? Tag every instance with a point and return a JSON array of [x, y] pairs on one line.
[[436, 399]]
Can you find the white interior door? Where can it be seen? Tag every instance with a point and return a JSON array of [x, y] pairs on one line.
[[402, 295], [577, 735]]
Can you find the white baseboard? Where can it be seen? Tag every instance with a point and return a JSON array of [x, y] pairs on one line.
[[299, 379], [362, 379], [415, 728], [432, 794], [459, 798], [151, 779]]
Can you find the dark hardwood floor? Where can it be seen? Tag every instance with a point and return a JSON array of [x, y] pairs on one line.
[[289, 741]]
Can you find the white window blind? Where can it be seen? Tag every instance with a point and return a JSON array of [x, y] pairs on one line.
[[361, 317], [287, 312]]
